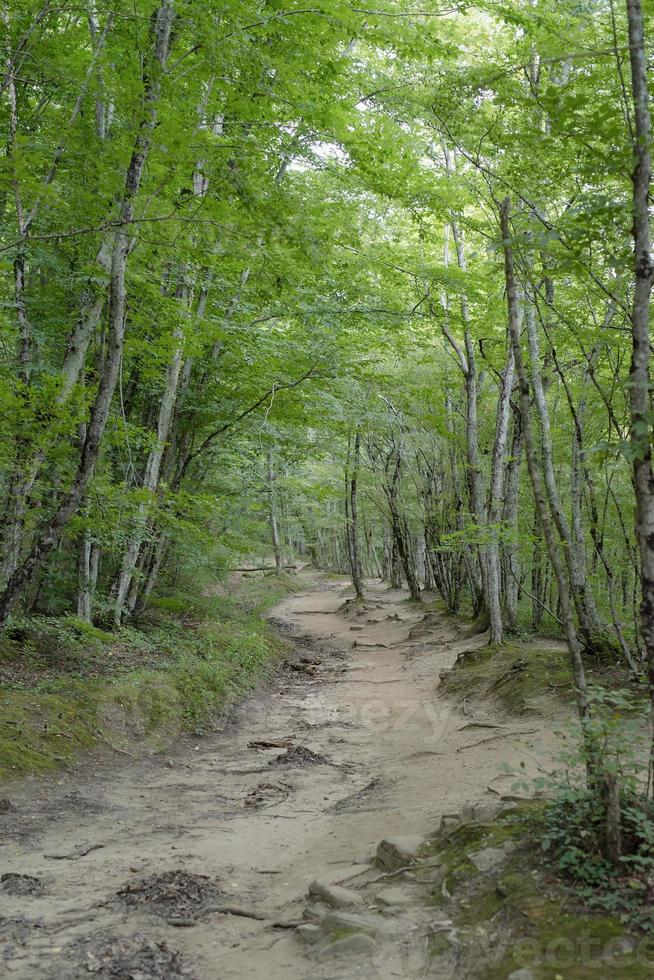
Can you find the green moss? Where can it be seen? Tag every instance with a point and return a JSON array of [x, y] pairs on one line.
[[39, 731], [157, 680], [519, 676], [485, 905], [560, 941], [539, 924]]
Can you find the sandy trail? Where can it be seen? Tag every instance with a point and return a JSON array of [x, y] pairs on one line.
[[398, 757]]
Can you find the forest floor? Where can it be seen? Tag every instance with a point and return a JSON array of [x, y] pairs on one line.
[[153, 866]]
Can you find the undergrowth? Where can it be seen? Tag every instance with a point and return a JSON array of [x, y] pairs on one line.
[[66, 686]]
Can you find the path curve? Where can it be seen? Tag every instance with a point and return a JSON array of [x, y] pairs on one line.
[[397, 757]]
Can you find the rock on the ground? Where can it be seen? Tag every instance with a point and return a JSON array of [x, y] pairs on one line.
[[334, 895], [394, 895], [467, 814], [524, 974], [357, 943], [398, 852], [449, 823], [339, 922], [491, 857], [487, 812], [310, 933]]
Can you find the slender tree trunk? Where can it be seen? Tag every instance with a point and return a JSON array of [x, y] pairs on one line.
[[352, 514], [496, 502], [574, 649], [582, 596], [639, 375], [151, 572], [50, 533], [272, 513], [151, 476], [510, 516], [468, 363], [88, 561], [28, 458]]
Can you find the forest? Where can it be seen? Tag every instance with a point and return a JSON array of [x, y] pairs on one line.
[[356, 285]]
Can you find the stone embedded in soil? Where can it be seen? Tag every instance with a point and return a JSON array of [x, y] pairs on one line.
[[6, 806], [339, 922], [467, 814], [524, 974], [394, 895], [334, 895], [449, 823], [491, 857], [309, 933], [398, 852], [357, 943], [487, 812]]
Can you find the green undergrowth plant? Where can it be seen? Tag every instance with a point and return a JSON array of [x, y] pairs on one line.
[[516, 916], [599, 833], [66, 686]]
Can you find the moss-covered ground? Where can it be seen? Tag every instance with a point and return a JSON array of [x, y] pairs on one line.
[[517, 916], [66, 686], [526, 915]]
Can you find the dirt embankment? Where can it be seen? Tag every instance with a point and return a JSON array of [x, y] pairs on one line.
[[197, 862]]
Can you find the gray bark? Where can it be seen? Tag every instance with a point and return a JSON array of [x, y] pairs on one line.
[[584, 602], [510, 517], [496, 501], [272, 514], [49, 535], [352, 513], [639, 375], [574, 648]]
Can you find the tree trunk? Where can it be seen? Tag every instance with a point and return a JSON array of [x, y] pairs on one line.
[[574, 649], [584, 603], [49, 535], [88, 561], [639, 375], [510, 517], [496, 501], [272, 513], [151, 476], [352, 514]]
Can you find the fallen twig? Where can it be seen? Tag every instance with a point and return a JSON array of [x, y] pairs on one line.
[[389, 874], [240, 911], [79, 852], [479, 724], [270, 743], [491, 738]]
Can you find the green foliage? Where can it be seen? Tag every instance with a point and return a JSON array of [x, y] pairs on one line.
[[573, 829], [66, 686]]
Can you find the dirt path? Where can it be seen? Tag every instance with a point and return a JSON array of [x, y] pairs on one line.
[[397, 757]]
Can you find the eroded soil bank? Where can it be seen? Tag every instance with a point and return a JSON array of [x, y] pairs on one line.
[[363, 747]]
